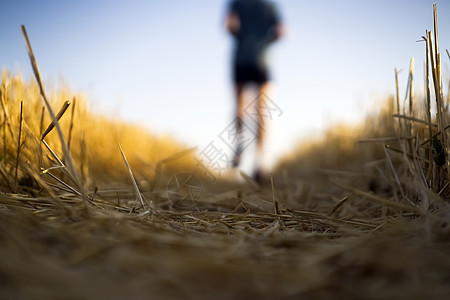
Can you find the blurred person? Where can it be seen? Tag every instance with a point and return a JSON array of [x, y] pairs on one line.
[[254, 24]]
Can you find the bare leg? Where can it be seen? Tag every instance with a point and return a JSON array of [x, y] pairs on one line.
[[262, 89], [262, 126], [239, 89]]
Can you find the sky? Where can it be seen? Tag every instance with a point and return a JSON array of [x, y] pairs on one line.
[[166, 64]]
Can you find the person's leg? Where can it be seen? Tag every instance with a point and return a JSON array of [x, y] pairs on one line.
[[262, 90], [239, 90], [261, 128]]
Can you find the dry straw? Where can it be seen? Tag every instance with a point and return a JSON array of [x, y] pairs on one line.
[[71, 168]]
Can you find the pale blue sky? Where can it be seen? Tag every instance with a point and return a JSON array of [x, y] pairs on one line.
[[165, 64]]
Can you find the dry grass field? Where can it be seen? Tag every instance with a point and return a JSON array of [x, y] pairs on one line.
[[360, 213]]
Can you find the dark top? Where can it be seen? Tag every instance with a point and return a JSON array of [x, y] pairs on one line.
[[258, 21]]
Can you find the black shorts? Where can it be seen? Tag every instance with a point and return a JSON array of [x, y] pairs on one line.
[[250, 73]]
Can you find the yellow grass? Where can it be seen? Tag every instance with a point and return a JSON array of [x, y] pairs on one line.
[[93, 141]]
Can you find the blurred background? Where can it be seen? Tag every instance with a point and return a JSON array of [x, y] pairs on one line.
[[166, 64]]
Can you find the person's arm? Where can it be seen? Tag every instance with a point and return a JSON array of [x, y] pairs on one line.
[[278, 29], [275, 32], [232, 23]]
